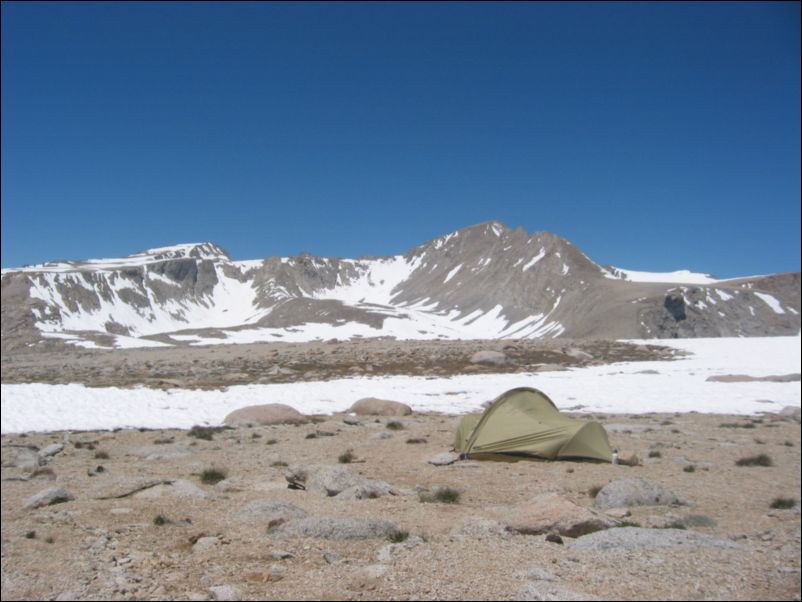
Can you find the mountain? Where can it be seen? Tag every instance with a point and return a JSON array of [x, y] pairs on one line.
[[484, 281]]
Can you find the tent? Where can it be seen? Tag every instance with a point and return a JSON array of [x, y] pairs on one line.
[[525, 422]]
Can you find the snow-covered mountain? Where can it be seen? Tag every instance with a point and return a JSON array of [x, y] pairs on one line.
[[485, 281]]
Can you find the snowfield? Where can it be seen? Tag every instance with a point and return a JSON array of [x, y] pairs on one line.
[[632, 387]]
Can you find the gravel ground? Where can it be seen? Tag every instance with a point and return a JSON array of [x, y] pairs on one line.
[[184, 539]]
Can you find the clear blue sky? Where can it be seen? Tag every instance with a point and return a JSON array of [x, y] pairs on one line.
[[653, 136]]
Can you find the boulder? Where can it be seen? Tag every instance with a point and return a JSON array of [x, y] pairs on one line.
[[553, 513], [271, 512], [333, 481], [271, 413], [26, 458], [51, 450], [48, 497], [492, 358], [371, 406], [636, 538], [326, 527], [791, 412], [634, 491]]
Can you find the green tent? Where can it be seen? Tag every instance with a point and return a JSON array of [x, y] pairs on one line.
[[525, 422]]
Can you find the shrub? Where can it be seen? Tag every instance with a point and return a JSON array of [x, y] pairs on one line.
[[699, 520], [395, 425], [204, 432], [101, 455], [398, 536], [759, 460], [443, 495], [346, 457], [655, 454], [160, 520], [690, 468], [416, 440], [30, 535], [212, 476], [783, 503], [594, 491]]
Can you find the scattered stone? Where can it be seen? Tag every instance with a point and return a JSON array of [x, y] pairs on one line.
[[554, 538], [225, 593], [371, 406], [553, 513], [634, 491], [271, 413], [48, 497], [281, 555], [352, 421], [380, 436]]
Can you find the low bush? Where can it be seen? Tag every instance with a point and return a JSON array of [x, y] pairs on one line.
[[443, 495], [759, 460], [212, 476]]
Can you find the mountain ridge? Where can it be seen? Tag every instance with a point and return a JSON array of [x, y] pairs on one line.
[[482, 281]]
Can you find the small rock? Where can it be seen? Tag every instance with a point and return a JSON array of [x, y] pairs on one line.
[[444, 459], [225, 593], [205, 543]]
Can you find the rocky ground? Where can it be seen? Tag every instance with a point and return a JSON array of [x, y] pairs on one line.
[[140, 522], [223, 365], [143, 514]]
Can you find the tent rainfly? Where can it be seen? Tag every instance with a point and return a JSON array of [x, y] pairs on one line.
[[524, 422]]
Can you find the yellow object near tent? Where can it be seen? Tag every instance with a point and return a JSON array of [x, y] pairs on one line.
[[525, 422]]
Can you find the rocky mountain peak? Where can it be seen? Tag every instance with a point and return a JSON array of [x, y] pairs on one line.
[[202, 250]]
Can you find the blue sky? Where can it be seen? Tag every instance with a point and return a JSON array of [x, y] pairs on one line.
[[653, 136]]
